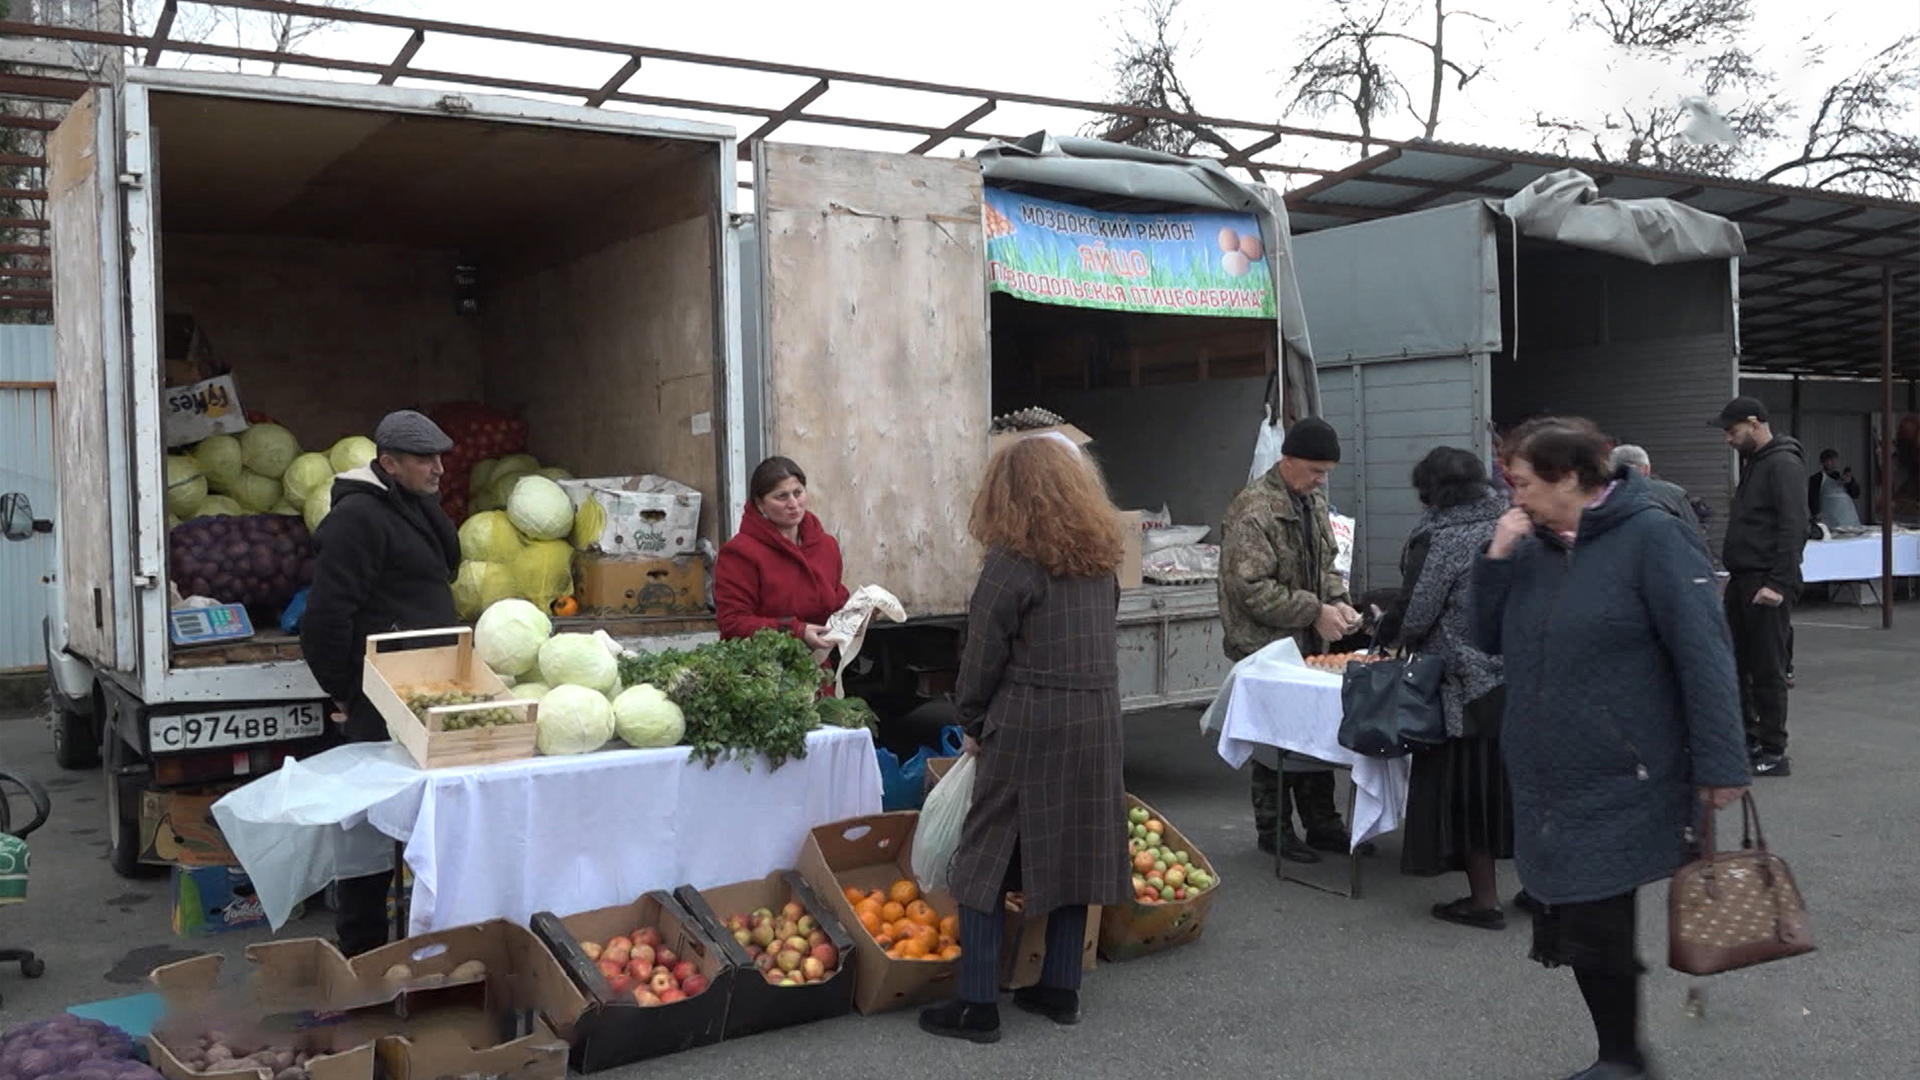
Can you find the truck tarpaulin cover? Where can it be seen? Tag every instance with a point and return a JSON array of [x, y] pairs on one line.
[[1566, 207], [1193, 263]]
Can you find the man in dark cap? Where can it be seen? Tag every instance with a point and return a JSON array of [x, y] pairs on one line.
[[387, 558], [1766, 533], [1277, 580]]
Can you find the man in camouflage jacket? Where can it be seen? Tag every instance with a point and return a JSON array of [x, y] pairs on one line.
[[1277, 580]]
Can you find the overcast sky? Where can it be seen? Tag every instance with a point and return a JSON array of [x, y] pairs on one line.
[[1240, 51]]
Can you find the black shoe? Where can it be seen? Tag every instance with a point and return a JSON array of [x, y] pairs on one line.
[[1059, 1006], [1330, 838], [959, 1020], [1292, 850], [1772, 765], [1266, 842], [1463, 912], [1524, 901], [1612, 1070]]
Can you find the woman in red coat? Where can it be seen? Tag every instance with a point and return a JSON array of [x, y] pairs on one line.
[[781, 571]]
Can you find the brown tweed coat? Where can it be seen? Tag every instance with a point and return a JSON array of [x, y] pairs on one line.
[[1039, 691]]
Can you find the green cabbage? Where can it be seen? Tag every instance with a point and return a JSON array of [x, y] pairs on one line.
[[219, 458], [540, 509], [479, 475], [285, 507], [643, 716], [543, 572], [317, 506], [532, 690], [351, 453], [574, 719], [480, 585], [255, 492], [516, 463], [219, 506], [509, 635], [578, 660], [308, 472], [490, 537], [268, 449], [589, 521], [186, 485], [553, 472]]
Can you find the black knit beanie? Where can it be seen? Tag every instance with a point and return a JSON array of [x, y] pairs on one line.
[[1312, 439]]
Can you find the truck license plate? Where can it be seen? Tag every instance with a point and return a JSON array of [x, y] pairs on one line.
[[203, 731]]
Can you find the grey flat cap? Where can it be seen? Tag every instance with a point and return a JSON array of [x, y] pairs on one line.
[[410, 433]]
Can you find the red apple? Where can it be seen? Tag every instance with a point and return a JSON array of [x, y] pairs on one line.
[[619, 984], [764, 961], [661, 983], [639, 971], [743, 938], [806, 925], [775, 976], [665, 957], [761, 915], [828, 956], [646, 998], [793, 911], [789, 959], [684, 970], [797, 944], [611, 969], [644, 956], [813, 969], [754, 952], [738, 923], [649, 936], [620, 943], [592, 950], [764, 934], [694, 985], [672, 996], [816, 939], [658, 970]]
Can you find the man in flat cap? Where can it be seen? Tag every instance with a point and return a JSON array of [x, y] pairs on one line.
[[1277, 580], [387, 558], [1766, 534]]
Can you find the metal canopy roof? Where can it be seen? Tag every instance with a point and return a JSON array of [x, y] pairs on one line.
[[1810, 284]]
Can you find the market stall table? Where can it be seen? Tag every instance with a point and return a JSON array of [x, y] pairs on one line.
[[1273, 698], [1857, 558], [561, 834]]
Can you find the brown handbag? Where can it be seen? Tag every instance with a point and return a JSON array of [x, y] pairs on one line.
[[1734, 909]]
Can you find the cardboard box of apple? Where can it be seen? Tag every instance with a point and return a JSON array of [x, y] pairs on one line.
[[1161, 874], [788, 947], [641, 964]]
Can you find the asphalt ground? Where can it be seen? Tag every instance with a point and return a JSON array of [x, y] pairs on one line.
[[1287, 981]]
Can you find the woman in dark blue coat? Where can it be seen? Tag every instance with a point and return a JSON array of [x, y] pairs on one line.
[[1623, 711]]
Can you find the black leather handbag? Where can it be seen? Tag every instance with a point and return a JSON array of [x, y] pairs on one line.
[[1392, 707]]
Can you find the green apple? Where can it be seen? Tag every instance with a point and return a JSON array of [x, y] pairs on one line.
[[1182, 858], [1138, 815], [1153, 839], [1166, 892], [1159, 867]]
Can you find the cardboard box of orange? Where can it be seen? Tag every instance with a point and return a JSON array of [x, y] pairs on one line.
[[1024, 945], [615, 1029], [485, 999], [1135, 929], [756, 1005], [867, 854]]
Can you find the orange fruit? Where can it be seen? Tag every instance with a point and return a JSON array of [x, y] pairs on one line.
[[854, 896], [867, 905], [904, 892], [895, 952], [913, 949], [920, 912], [877, 896], [884, 940], [871, 922], [950, 927], [950, 952], [928, 937], [893, 911]]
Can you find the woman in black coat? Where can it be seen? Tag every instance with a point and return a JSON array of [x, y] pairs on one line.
[[1039, 696], [1623, 713]]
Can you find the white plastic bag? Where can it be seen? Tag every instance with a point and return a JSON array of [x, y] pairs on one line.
[[942, 817], [1266, 448]]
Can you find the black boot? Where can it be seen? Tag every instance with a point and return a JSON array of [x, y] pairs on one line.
[[1292, 850], [1059, 1006], [960, 1020], [1313, 799]]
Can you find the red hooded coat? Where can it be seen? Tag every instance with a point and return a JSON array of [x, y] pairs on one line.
[[763, 580]]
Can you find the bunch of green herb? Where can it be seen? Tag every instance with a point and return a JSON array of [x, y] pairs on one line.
[[741, 697], [847, 712]]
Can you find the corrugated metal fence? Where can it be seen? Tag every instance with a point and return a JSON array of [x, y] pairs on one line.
[[26, 466]]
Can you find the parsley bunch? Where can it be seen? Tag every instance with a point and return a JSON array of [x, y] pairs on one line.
[[741, 697]]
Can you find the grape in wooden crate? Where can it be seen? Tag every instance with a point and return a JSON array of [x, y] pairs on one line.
[[441, 735]]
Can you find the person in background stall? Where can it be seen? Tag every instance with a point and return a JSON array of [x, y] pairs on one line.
[[1459, 812], [1039, 697], [1766, 536], [1831, 491], [1277, 580], [387, 555], [1622, 713], [782, 570]]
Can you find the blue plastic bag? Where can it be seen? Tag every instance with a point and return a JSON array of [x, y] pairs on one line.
[[903, 784], [296, 608]]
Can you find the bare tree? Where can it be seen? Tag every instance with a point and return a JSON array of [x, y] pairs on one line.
[[1863, 136], [1346, 67], [271, 31], [1145, 69], [1665, 24]]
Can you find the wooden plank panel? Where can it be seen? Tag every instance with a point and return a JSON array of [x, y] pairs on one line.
[[80, 322], [879, 374]]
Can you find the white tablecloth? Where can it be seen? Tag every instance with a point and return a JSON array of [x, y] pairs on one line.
[[1857, 558], [560, 834], [1273, 698]]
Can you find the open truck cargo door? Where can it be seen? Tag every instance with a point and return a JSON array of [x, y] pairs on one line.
[[878, 380], [90, 345]]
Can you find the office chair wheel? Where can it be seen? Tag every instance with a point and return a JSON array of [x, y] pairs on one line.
[[33, 967]]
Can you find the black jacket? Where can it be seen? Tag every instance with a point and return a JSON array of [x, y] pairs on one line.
[[1767, 524], [386, 563]]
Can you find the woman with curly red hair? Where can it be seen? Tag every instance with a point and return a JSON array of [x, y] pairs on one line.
[[1039, 696]]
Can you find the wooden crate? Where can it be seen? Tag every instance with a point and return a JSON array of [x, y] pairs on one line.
[[389, 674], [1132, 929]]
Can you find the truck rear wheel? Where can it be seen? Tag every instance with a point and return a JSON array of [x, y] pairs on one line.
[[76, 735], [123, 815]]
